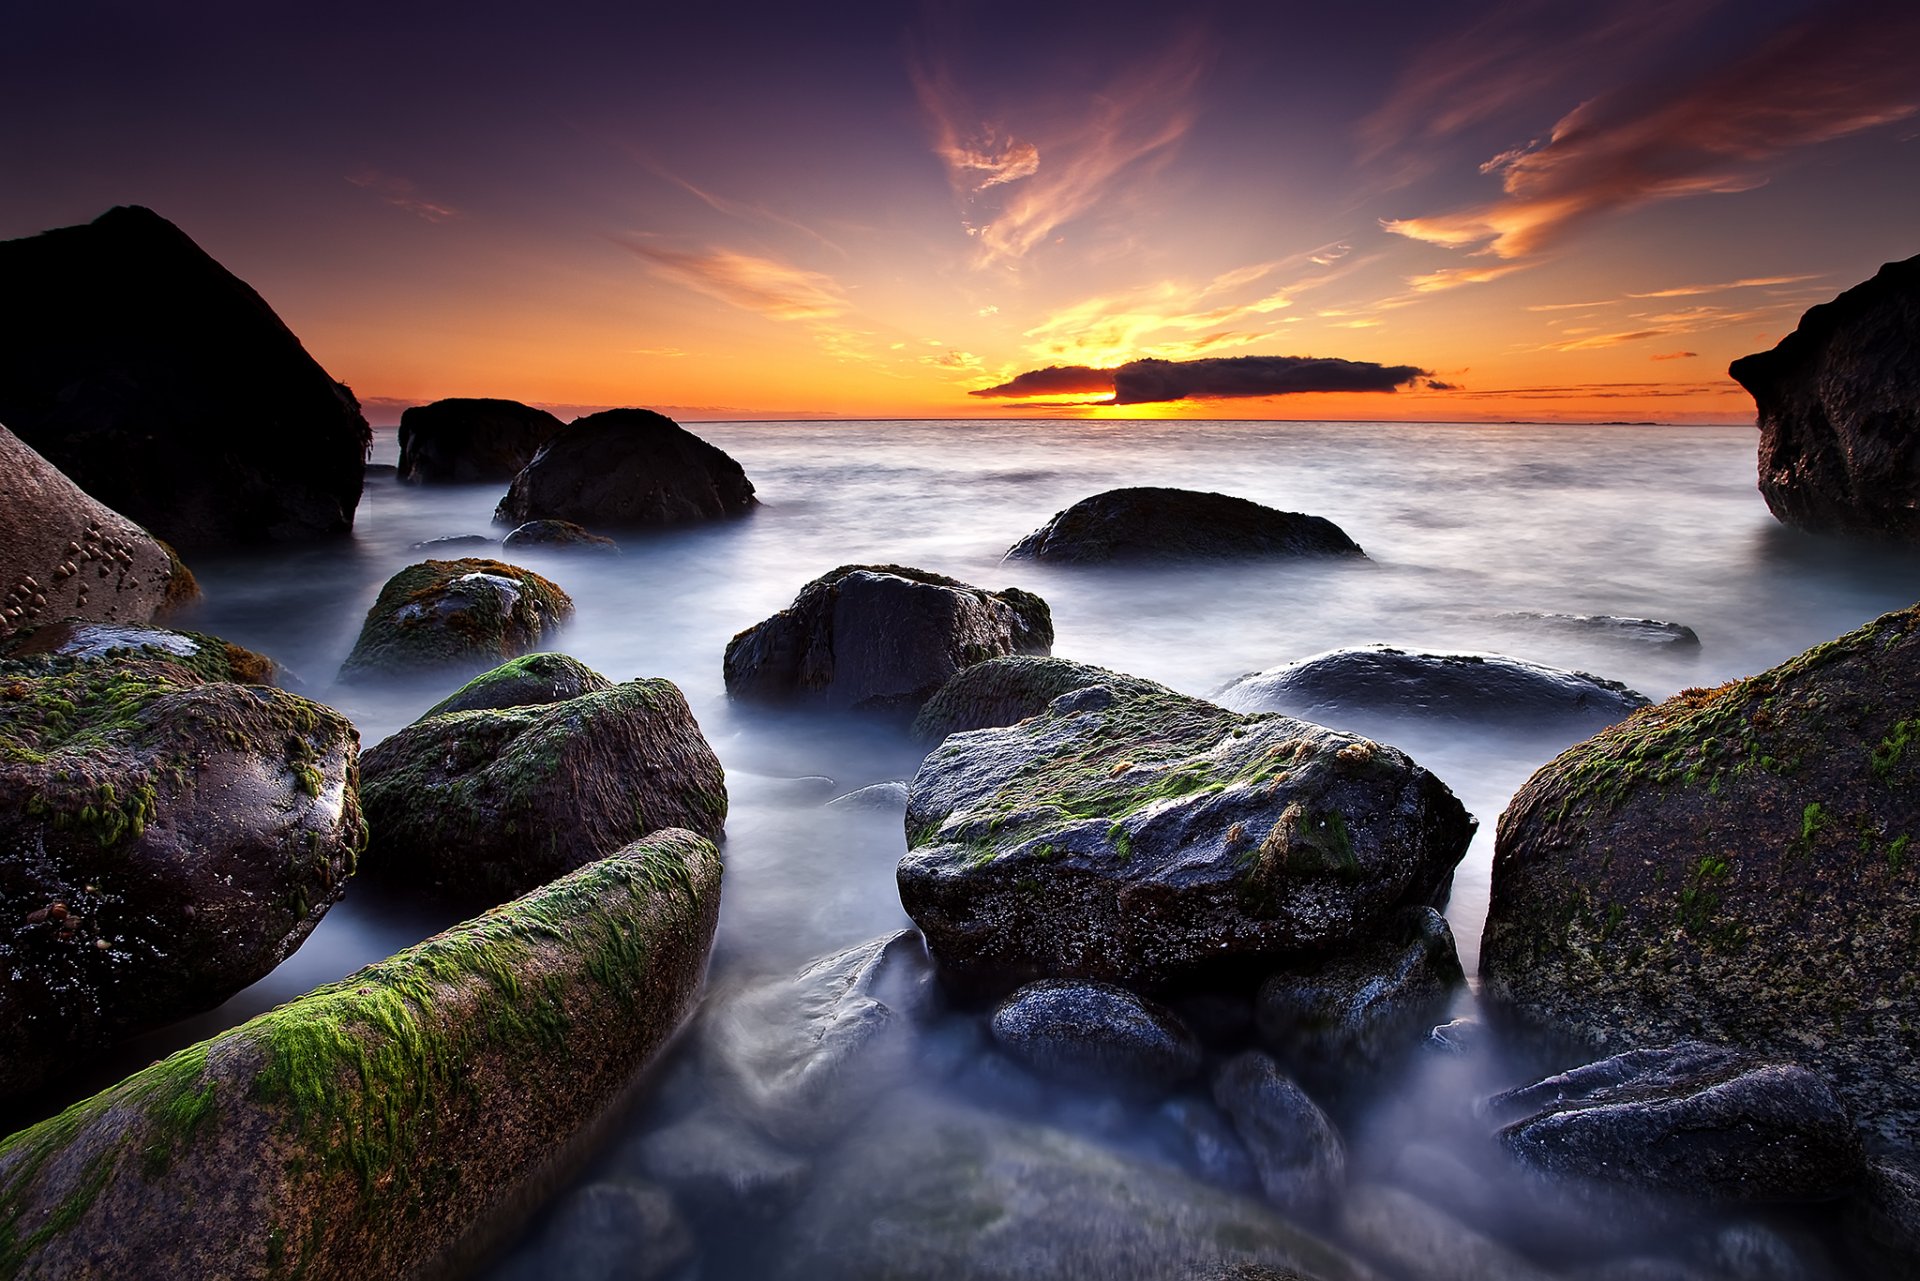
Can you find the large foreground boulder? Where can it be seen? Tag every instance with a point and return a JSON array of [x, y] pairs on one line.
[[626, 467], [365, 1129], [1735, 864], [1839, 404], [169, 390], [1002, 691], [487, 804], [1151, 524], [164, 842], [462, 614], [464, 440], [1138, 838], [881, 637]]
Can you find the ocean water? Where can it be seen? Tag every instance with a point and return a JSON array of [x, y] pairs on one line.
[[1462, 524]]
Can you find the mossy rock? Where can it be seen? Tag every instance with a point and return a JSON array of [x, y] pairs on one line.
[[487, 804], [881, 638], [468, 613], [1146, 838], [372, 1127], [1157, 524], [164, 841], [1002, 691], [1736, 864], [207, 657], [528, 681]]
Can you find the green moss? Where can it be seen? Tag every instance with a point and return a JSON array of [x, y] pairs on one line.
[[1887, 755], [405, 628], [1897, 851]]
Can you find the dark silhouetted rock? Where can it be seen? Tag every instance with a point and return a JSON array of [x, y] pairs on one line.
[[623, 468], [1003, 691], [1690, 1119], [1139, 838], [164, 841], [559, 536], [488, 804], [1839, 402], [1883, 1220], [1178, 524], [469, 440], [1734, 864], [454, 543], [370, 1128], [167, 389], [454, 615], [880, 637], [1296, 1151], [528, 681], [1096, 1034], [1643, 631]]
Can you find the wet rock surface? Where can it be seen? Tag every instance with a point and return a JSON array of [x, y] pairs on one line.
[[1157, 524], [1639, 631], [1297, 1152], [1096, 1034], [1005, 691], [532, 680], [625, 468], [559, 535], [454, 614], [464, 440]]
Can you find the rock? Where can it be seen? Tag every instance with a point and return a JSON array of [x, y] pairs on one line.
[[364, 1130], [1416, 1242], [1298, 1154], [1458, 1037], [467, 613], [624, 468], [1394, 684], [1096, 1034], [1883, 1220], [1141, 839], [622, 1230], [167, 389], [721, 1166], [1210, 1145], [466, 441], [1360, 1009], [1151, 524], [880, 637], [1005, 691], [65, 555], [1690, 1119], [531, 680], [891, 795], [559, 535], [943, 1193], [1734, 865], [1760, 1252], [1643, 631], [454, 542], [208, 657], [488, 804], [1839, 406], [164, 841]]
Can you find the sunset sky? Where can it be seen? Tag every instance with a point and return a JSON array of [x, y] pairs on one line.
[[1518, 210]]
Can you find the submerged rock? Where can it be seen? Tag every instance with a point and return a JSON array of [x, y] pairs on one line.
[[1298, 1154], [468, 440], [1140, 838], [612, 1230], [1839, 405], [164, 841], [467, 613], [559, 535], [490, 803], [890, 795], [626, 467], [1151, 524], [1644, 631], [720, 1165], [531, 680], [1735, 864], [879, 637], [166, 388], [1004, 691], [366, 1129], [1419, 1243], [1096, 1034]]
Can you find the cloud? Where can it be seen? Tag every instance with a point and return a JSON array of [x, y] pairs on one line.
[[1757, 282], [1145, 382], [1454, 277], [403, 194], [1434, 384], [762, 285], [1676, 355], [1054, 380]]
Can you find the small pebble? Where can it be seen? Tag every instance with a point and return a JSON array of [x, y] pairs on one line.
[[101, 944]]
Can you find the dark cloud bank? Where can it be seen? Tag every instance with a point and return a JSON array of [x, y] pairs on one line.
[[1143, 382]]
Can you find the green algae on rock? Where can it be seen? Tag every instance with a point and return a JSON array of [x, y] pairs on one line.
[[1145, 837], [1734, 864], [1002, 691], [490, 803], [164, 841], [468, 613], [208, 657], [527, 681], [369, 1128]]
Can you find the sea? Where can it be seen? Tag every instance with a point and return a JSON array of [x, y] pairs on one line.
[[1468, 529]]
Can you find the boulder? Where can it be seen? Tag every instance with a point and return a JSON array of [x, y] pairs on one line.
[[1095, 1035], [487, 804], [1839, 407], [1416, 1242], [164, 841], [1690, 1119], [1138, 839], [1379, 682], [531, 680], [1641, 631], [458, 614], [1003, 691], [368, 1128], [1734, 864], [1296, 1151], [167, 389], [208, 657], [66, 555], [558, 536], [467, 440], [1209, 1145], [880, 637], [624, 468], [1883, 1220], [1152, 524]]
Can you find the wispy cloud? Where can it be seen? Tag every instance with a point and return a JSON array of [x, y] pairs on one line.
[[732, 208], [1686, 320], [1454, 277], [1758, 282], [1676, 355], [771, 288], [403, 193]]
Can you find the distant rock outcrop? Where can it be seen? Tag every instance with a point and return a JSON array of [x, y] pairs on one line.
[[1839, 403], [1152, 524], [469, 440], [166, 388], [623, 468]]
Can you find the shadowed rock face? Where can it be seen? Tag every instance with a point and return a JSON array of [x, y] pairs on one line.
[[1149, 524], [463, 440], [624, 468], [167, 389], [1839, 404]]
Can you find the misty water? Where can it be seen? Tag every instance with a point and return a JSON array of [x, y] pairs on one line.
[[1462, 525]]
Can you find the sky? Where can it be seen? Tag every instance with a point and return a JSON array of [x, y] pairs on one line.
[[1466, 211]]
